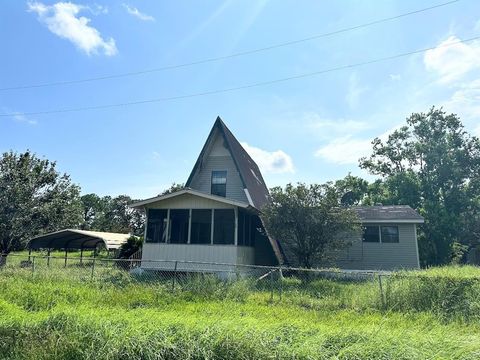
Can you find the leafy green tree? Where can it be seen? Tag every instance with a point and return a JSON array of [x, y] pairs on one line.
[[432, 164], [112, 214], [173, 188], [34, 198], [310, 222]]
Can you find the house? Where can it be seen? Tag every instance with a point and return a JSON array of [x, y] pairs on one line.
[[217, 219]]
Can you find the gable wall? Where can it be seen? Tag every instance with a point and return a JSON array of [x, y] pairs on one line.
[[219, 158]]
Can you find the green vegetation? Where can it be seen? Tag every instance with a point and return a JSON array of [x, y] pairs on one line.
[[66, 314]]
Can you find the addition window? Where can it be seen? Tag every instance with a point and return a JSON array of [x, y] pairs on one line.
[[381, 234], [371, 234], [389, 234], [219, 183]]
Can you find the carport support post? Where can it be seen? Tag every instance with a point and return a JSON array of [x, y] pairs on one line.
[[81, 255], [29, 253], [48, 257], [66, 256]]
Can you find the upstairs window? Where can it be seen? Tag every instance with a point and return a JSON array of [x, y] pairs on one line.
[[219, 183]]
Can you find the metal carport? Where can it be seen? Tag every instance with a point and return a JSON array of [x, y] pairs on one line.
[[77, 239]]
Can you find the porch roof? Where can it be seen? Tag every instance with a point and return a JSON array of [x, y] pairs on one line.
[[240, 204]]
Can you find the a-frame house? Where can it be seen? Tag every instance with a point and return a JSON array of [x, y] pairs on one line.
[[215, 219]]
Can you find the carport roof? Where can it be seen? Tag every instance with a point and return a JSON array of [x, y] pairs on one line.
[[78, 239]]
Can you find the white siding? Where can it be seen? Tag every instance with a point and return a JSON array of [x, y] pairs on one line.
[[382, 256], [189, 201], [164, 256]]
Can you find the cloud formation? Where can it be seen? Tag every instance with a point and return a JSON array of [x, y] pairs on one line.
[[63, 19], [139, 15], [452, 62], [345, 150], [276, 162]]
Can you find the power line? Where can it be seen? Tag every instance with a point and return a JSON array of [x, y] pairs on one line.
[[225, 57], [241, 87]]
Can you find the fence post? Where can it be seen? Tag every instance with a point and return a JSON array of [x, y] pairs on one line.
[[271, 285], [280, 277], [174, 275], [93, 266], [382, 295]]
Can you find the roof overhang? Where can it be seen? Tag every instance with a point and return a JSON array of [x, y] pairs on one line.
[[392, 221], [78, 239], [146, 202]]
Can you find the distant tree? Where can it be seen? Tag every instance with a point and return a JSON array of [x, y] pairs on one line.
[[310, 222], [94, 208], [173, 188], [112, 214], [352, 190], [34, 198], [432, 164]]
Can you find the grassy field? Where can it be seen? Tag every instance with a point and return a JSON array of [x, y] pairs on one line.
[[64, 314]]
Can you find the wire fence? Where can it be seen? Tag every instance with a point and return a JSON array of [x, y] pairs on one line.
[[447, 295]]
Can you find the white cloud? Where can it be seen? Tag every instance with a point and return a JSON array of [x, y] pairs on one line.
[[476, 132], [270, 162], [135, 12], [63, 20], [395, 77], [465, 101], [354, 92], [344, 150], [347, 149], [452, 62], [327, 126], [19, 117]]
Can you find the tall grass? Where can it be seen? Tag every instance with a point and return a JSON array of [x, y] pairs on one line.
[[65, 314]]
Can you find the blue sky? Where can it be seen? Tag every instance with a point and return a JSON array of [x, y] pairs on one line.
[[312, 129]]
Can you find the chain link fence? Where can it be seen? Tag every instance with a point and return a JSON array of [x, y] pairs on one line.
[[448, 296]]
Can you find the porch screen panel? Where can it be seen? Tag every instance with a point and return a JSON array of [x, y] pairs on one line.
[[201, 226], [241, 228], [156, 226], [224, 226], [179, 226]]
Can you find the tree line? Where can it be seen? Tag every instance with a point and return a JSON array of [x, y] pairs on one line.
[[430, 163]]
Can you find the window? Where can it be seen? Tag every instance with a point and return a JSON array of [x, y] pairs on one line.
[[389, 234], [219, 183], [156, 226], [371, 234], [201, 230], [224, 226], [381, 234], [179, 226]]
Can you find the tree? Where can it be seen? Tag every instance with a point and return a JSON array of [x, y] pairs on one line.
[[433, 165], [34, 198], [112, 214], [310, 222], [173, 188], [130, 247]]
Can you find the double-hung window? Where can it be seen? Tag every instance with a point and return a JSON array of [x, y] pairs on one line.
[[219, 183]]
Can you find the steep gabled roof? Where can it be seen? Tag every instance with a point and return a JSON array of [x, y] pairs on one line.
[[250, 174]]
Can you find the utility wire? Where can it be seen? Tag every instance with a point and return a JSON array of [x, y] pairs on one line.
[[236, 88], [225, 57]]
